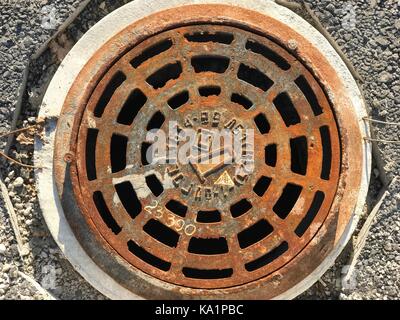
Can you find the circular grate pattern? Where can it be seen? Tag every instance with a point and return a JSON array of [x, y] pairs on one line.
[[208, 228]]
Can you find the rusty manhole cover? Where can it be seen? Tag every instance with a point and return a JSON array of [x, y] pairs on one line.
[[195, 225], [208, 227]]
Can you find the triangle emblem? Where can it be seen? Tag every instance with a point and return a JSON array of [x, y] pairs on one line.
[[225, 180]]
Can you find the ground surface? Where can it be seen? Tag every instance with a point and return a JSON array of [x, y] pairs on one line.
[[367, 31]]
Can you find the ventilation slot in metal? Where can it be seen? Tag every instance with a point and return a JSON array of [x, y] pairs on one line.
[[169, 72], [152, 52]]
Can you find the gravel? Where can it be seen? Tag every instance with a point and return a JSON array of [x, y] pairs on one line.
[[367, 31], [25, 26]]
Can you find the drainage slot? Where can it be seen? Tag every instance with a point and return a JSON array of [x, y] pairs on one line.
[[311, 214], [207, 274], [240, 208], [131, 107], [161, 233], [156, 121], [154, 185], [287, 200], [105, 213], [271, 155], [242, 100], [326, 152], [127, 196], [177, 208], [299, 154], [112, 86], [308, 92], [218, 37], [262, 123], [262, 186], [148, 257], [285, 107], [209, 91], [118, 152], [208, 216], [267, 258], [143, 153], [254, 77], [208, 246], [254, 233], [215, 64], [152, 52], [179, 100], [91, 142], [267, 53], [169, 72]]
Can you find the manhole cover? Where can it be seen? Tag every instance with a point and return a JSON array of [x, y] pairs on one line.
[[198, 225], [177, 212]]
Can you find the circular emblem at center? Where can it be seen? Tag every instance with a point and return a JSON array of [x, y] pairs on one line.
[[208, 154]]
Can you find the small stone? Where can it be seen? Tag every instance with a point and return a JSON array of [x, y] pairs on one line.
[[6, 267], [342, 296], [11, 174], [3, 249], [383, 113], [26, 212], [373, 3], [19, 206], [49, 17], [24, 252], [27, 42], [385, 77], [388, 247], [347, 37], [372, 43], [376, 103], [382, 41], [330, 7], [18, 182], [102, 5], [13, 273], [25, 173]]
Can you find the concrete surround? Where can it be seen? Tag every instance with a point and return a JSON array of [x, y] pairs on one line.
[[77, 58]]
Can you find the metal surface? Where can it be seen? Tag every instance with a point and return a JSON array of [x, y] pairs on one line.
[[282, 220]]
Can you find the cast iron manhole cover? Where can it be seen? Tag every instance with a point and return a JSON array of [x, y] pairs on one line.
[[175, 221], [192, 225]]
